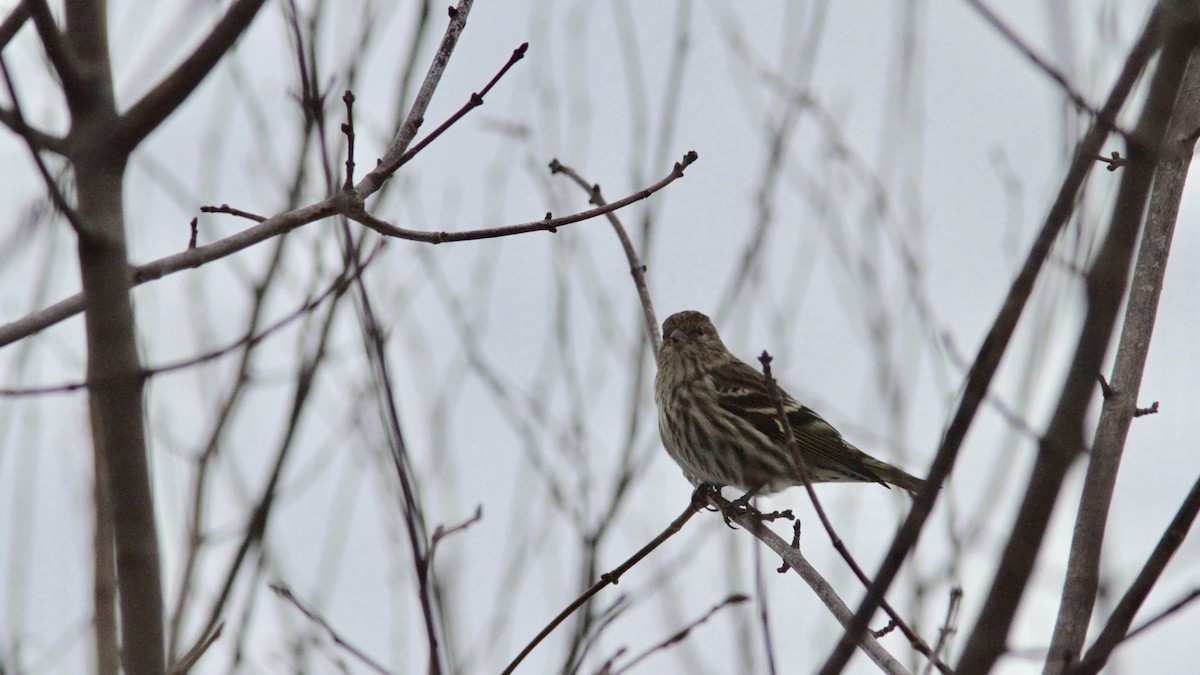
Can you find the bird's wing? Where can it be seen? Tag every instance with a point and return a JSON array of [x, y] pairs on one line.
[[741, 391]]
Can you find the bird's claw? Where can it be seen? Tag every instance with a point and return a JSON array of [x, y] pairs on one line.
[[739, 507], [704, 494]]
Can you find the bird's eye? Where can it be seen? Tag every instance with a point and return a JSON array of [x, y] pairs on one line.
[[695, 333]]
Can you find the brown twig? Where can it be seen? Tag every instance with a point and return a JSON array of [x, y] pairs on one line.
[[949, 625], [1020, 45], [1142, 412], [784, 567], [1114, 160], [225, 208], [188, 660], [764, 615], [286, 593], [896, 621], [375, 179], [290, 220], [1115, 629], [1107, 281], [441, 532], [987, 360], [636, 268], [13, 23], [387, 169], [607, 578], [336, 288], [1177, 606], [355, 210], [796, 562], [348, 129], [33, 141], [682, 634]]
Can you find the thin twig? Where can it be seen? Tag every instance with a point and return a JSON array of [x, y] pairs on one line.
[[26, 133], [895, 620], [290, 220], [682, 634], [66, 66], [371, 182], [348, 129], [987, 360], [1043, 65], [185, 663], [13, 23], [227, 209], [636, 268], [335, 288], [286, 593], [607, 578], [1115, 629], [764, 615], [1177, 606], [949, 626], [355, 210], [1114, 161], [441, 532], [796, 562], [476, 100]]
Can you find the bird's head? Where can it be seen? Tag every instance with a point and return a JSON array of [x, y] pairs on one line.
[[689, 338]]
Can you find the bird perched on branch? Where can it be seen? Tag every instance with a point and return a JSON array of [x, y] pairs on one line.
[[719, 421]]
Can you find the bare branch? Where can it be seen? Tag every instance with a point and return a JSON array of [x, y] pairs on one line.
[[13, 23], [191, 258], [1120, 400], [896, 620], [385, 170], [1106, 284], [144, 116], [608, 578], [1042, 64], [987, 360], [65, 64], [1115, 629], [286, 593], [193, 655], [682, 634], [636, 268], [284, 222], [353, 209], [416, 115], [795, 561], [949, 625], [34, 140]]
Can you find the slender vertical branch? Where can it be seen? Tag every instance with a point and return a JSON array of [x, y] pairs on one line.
[[987, 360], [1120, 403], [1106, 283], [1117, 627]]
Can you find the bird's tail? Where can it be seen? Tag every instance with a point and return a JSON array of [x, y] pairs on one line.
[[893, 476]]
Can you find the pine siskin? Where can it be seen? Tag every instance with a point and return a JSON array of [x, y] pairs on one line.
[[719, 421]]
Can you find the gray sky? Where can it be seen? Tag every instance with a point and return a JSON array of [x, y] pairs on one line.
[[921, 136]]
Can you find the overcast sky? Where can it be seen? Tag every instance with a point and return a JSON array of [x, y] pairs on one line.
[[919, 158]]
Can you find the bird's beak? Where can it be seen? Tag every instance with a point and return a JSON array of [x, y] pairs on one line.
[[677, 335]]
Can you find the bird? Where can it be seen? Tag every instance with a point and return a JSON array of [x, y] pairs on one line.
[[718, 419]]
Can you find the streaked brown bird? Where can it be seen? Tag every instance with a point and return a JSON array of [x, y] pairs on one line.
[[719, 421]]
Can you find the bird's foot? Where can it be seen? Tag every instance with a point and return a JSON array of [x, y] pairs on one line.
[[707, 495], [740, 507]]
